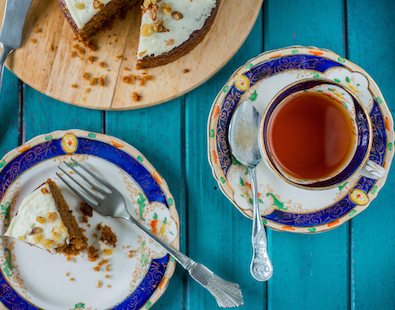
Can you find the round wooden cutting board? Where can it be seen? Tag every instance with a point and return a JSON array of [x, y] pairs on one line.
[[55, 63]]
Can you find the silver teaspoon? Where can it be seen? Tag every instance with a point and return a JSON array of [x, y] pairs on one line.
[[243, 140]]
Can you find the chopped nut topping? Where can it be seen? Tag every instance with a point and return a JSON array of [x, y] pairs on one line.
[[186, 70], [80, 5], [41, 219], [177, 15], [56, 236], [37, 238], [159, 26], [47, 243], [36, 230], [103, 64], [44, 190], [170, 42], [166, 8], [52, 216], [74, 85], [146, 30]]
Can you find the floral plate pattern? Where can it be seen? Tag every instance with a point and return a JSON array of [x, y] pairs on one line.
[[142, 186], [285, 207]]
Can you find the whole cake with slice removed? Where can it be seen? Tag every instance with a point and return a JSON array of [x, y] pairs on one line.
[[45, 220], [169, 28]]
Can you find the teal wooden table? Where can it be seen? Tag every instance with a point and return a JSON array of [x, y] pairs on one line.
[[352, 267]]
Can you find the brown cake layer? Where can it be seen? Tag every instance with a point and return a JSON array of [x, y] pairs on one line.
[[195, 38], [103, 17], [77, 240]]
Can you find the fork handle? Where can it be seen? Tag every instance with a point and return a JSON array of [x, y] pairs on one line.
[[186, 262], [4, 53]]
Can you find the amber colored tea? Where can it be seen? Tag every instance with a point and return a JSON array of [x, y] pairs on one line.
[[311, 136]]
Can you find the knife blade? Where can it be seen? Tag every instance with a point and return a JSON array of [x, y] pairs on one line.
[[12, 29]]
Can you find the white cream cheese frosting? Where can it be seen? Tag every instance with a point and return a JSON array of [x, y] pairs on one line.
[[194, 14], [82, 11], [38, 221]]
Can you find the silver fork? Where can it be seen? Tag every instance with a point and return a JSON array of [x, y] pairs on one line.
[[108, 201]]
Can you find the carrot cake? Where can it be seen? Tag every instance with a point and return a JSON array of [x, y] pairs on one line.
[[169, 28], [45, 220]]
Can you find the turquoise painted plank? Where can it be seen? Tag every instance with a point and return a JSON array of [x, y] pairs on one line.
[[371, 43], [219, 235], [310, 272], [157, 133], [9, 106], [43, 114]]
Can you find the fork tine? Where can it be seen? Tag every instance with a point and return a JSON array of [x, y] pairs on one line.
[[89, 200], [91, 192], [83, 176], [100, 180]]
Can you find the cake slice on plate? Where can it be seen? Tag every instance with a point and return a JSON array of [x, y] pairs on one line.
[[44, 220], [172, 28]]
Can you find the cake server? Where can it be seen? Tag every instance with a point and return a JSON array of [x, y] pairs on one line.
[[12, 29], [243, 140], [108, 201]]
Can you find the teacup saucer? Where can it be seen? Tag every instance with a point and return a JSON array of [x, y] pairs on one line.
[[286, 207]]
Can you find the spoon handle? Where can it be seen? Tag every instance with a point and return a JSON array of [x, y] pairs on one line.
[[261, 266]]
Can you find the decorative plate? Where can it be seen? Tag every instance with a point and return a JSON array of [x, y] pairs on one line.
[[285, 207], [134, 276]]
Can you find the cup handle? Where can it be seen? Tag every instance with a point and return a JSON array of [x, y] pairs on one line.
[[372, 170]]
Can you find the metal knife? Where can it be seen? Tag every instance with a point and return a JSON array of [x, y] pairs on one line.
[[12, 30]]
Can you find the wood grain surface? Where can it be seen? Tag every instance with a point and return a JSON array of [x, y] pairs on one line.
[[46, 61], [350, 268]]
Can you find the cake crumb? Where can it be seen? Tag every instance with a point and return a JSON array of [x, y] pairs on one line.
[[186, 70], [34, 41], [74, 54], [74, 85], [100, 264], [72, 279], [68, 274], [102, 80], [136, 96], [88, 90], [94, 81], [86, 76], [103, 64], [93, 253], [109, 286], [92, 59], [107, 235], [129, 79], [99, 284], [39, 30], [107, 276], [144, 78], [86, 209]]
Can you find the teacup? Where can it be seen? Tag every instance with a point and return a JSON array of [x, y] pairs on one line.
[[361, 135]]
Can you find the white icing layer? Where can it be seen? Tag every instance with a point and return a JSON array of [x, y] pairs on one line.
[[195, 14], [48, 232], [82, 11]]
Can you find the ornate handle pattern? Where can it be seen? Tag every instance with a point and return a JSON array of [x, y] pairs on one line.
[[261, 266]]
